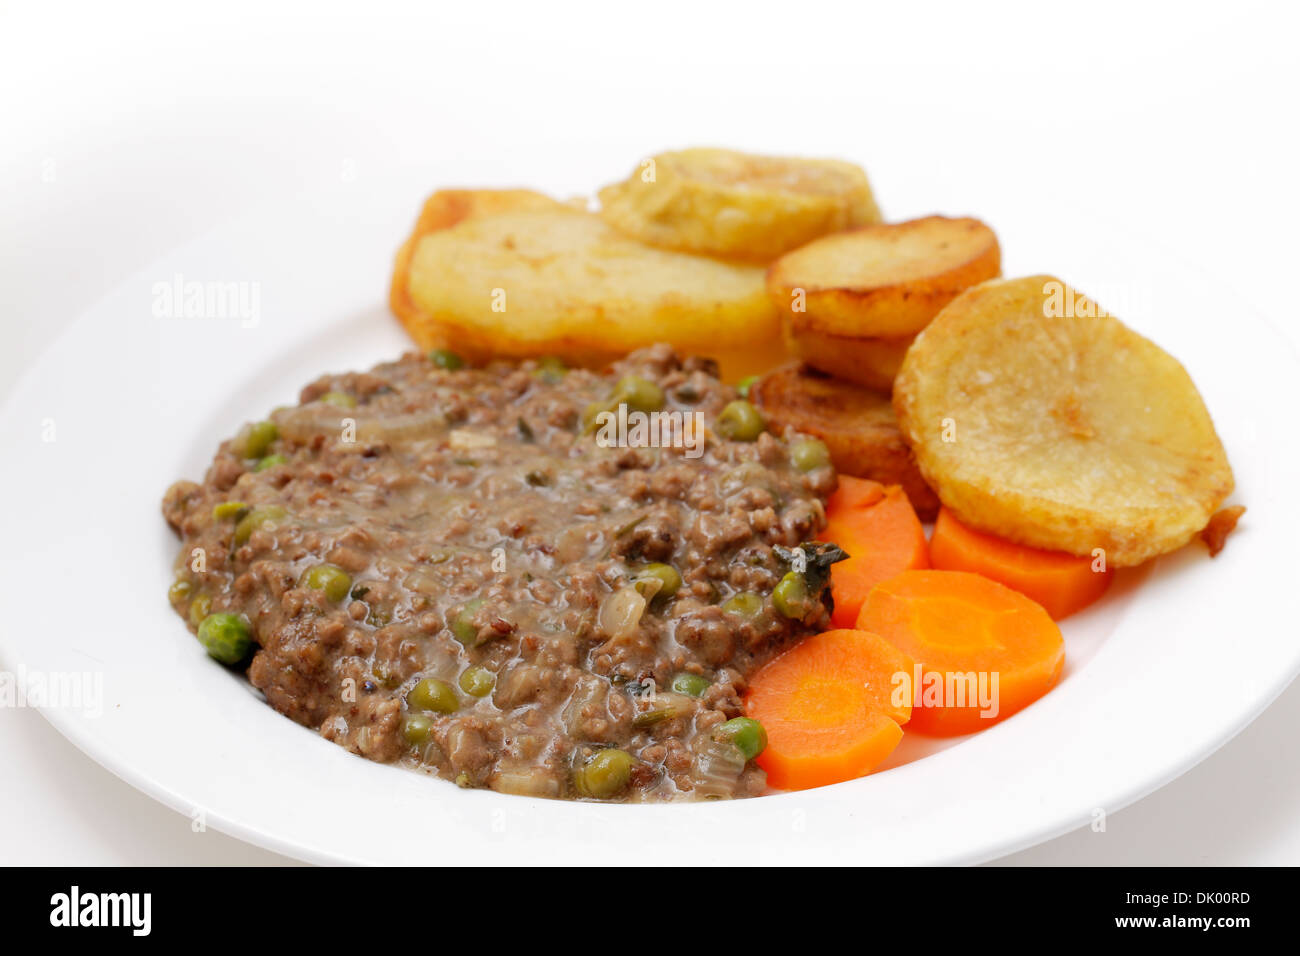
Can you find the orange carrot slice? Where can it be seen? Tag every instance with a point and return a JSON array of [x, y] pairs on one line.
[[854, 494], [1061, 583], [983, 650], [876, 525], [832, 707]]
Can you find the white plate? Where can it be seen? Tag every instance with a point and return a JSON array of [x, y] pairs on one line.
[[1173, 663]]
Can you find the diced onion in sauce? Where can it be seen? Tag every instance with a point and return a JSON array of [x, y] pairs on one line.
[[423, 581], [466, 439], [402, 427], [527, 783], [621, 612], [664, 706], [717, 770]]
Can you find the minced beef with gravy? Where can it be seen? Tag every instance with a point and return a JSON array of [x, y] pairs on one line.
[[462, 533]]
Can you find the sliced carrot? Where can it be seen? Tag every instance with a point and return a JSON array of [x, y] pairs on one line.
[[832, 707], [876, 525], [984, 651], [854, 494], [1062, 583]]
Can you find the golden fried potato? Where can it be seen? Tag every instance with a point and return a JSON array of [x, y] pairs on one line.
[[856, 423], [718, 202], [870, 362], [1066, 431], [442, 210], [882, 281], [559, 281]]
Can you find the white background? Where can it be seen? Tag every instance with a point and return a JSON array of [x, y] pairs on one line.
[[129, 128]]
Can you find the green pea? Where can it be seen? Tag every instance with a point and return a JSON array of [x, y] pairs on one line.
[[746, 604], [746, 733], [809, 454], [339, 399], [670, 581], [790, 596], [270, 461], [229, 509], [477, 681], [416, 729], [692, 685], [463, 626], [433, 694], [745, 384], [550, 369], [740, 421], [592, 413], [446, 359], [255, 519], [254, 440], [330, 578], [179, 591], [225, 637], [200, 608], [605, 775], [638, 394]]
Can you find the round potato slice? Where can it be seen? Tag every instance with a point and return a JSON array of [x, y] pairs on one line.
[[1040, 418], [882, 281], [558, 281], [731, 205], [857, 424], [442, 210], [870, 362]]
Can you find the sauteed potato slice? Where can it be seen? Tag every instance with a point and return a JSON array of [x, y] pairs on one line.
[[1039, 418], [559, 281], [733, 205], [442, 210], [870, 362], [882, 281], [856, 423]]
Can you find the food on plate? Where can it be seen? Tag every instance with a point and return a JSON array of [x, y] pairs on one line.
[[718, 202], [484, 573], [885, 281], [1221, 524], [555, 280], [1062, 583], [1039, 418], [876, 526], [857, 425], [871, 362], [829, 708], [983, 651]]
